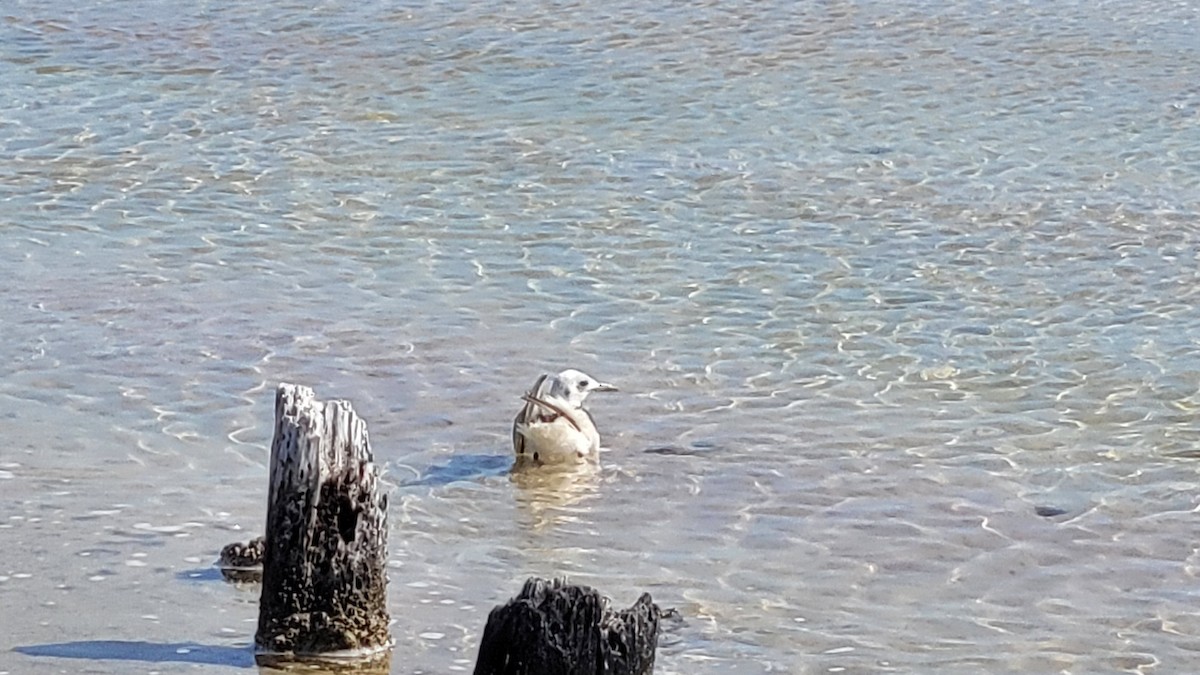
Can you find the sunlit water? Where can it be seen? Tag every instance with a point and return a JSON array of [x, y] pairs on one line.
[[901, 298]]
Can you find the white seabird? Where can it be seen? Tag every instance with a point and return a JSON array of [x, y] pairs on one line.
[[553, 427]]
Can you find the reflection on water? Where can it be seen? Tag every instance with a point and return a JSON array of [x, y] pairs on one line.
[[549, 496], [901, 297]]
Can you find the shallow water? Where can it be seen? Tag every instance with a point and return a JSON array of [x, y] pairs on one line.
[[879, 282]]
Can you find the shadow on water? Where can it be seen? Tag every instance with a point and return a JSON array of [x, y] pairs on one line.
[[694, 449], [458, 468], [145, 652], [200, 575]]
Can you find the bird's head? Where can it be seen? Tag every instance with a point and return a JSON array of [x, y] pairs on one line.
[[572, 386]]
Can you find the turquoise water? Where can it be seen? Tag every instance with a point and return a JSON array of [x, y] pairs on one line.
[[879, 283]]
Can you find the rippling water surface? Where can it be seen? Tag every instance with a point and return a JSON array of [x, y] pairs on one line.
[[901, 298]]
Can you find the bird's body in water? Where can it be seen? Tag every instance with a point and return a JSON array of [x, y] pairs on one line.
[[553, 427]]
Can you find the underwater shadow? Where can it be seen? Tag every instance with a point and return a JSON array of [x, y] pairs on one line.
[[200, 575], [694, 449], [145, 652], [458, 468]]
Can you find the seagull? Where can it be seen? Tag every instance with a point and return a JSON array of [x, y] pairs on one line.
[[553, 427]]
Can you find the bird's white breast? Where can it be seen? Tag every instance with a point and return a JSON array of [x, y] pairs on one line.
[[559, 441]]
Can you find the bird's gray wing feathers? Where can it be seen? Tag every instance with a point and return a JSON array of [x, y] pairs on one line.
[[524, 415], [518, 439]]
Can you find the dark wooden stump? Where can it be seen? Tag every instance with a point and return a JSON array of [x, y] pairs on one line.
[[242, 562], [324, 581], [555, 628]]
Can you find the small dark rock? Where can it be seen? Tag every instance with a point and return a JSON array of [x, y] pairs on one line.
[[240, 555]]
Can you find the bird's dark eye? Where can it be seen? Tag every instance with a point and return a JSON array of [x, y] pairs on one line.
[[584, 384]]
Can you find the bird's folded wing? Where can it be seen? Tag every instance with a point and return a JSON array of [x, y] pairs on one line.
[[524, 416]]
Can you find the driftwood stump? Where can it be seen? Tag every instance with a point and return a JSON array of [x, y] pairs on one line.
[[324, 581], [554, 628], [242, 562]]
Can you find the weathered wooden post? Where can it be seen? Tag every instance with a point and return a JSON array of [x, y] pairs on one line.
[[556, 628], [324, 581]]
